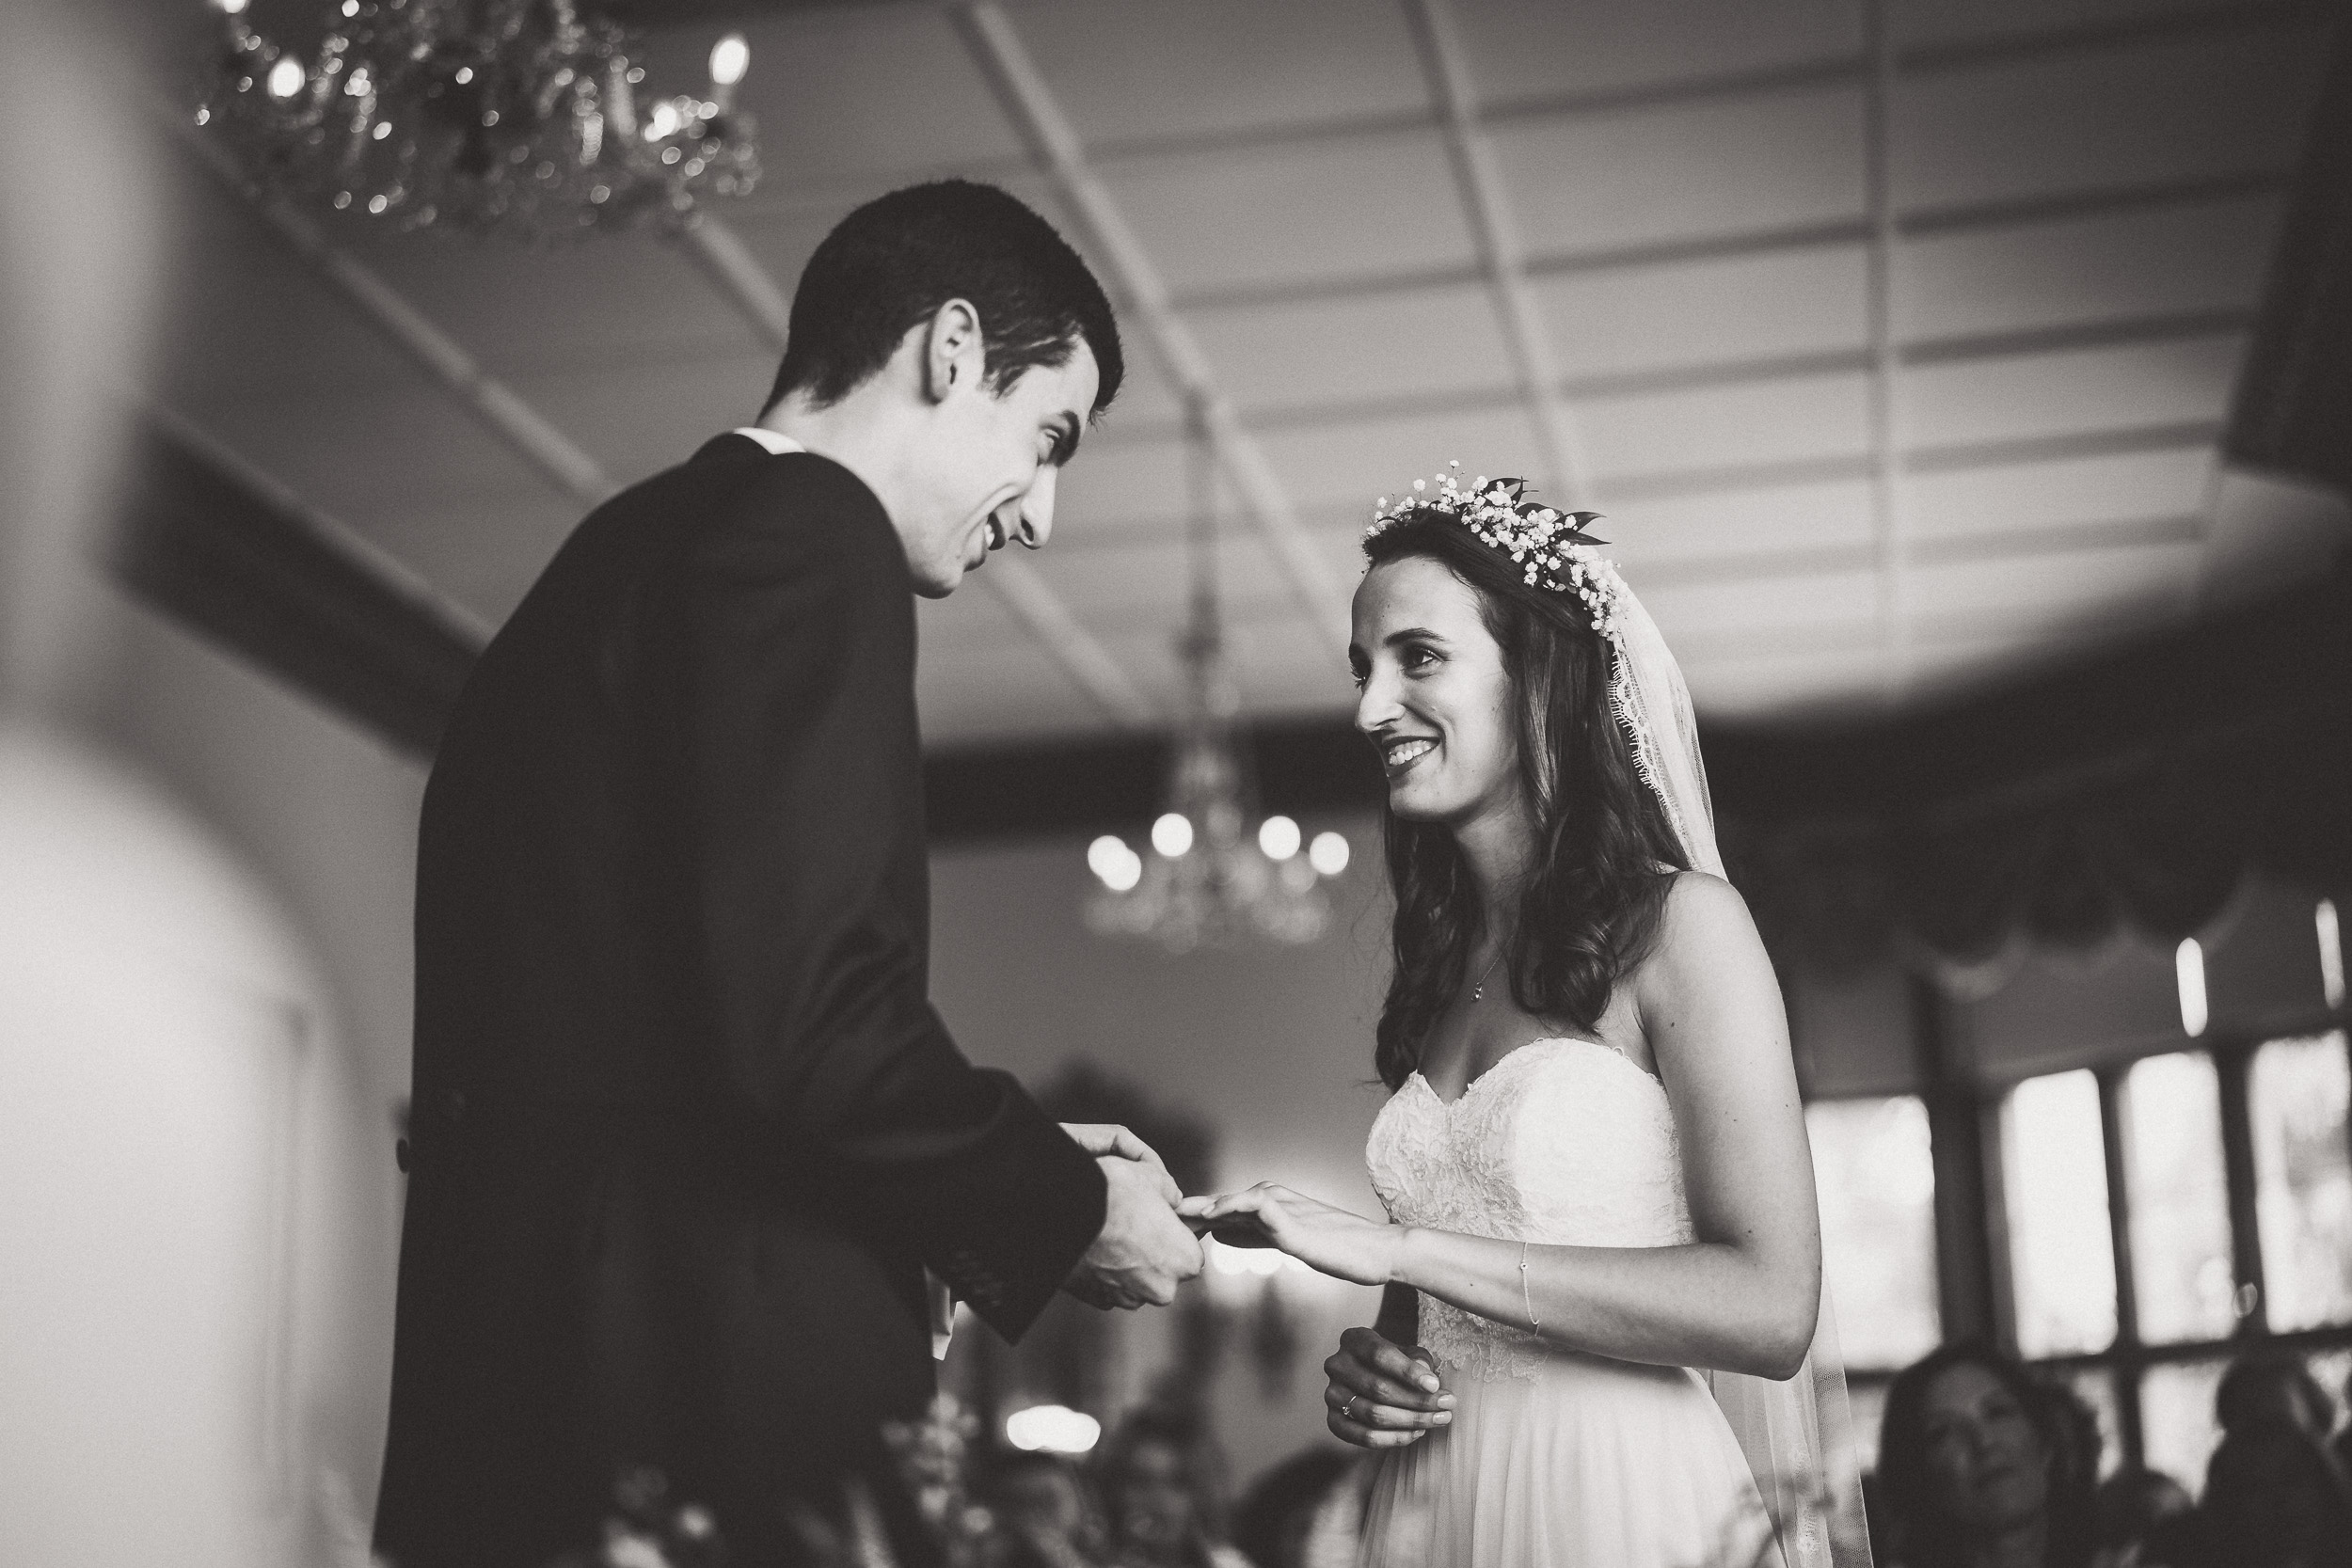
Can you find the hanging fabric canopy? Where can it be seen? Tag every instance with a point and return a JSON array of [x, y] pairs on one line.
[[2131, 791]]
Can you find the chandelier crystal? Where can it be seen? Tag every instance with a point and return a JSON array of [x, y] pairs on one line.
[[1214, 873], [510, 117]]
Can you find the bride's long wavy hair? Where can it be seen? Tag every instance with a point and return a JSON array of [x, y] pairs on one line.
[[1589, 906]]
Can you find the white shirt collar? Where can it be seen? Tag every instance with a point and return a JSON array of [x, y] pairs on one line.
[[777, 445]]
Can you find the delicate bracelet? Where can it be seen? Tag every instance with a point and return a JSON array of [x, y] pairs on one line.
[[1534, 1324]]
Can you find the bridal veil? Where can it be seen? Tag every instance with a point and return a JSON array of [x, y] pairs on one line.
[[1798, 1435]]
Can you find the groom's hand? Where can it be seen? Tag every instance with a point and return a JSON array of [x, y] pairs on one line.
[[1099, 1138], [1144, 1251]]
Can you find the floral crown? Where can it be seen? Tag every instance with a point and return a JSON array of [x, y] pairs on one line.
[[1551, 547]]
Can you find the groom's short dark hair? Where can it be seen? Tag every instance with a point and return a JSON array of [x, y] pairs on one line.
[[887, 266]]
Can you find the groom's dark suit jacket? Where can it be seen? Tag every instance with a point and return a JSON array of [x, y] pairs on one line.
[[685, 1130]]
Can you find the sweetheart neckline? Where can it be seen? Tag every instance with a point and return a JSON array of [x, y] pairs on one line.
[[1471, 1087]]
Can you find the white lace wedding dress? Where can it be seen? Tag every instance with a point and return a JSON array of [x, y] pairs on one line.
[[1554, 1459]]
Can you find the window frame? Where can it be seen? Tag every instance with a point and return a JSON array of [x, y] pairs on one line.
[[1973, 1113]]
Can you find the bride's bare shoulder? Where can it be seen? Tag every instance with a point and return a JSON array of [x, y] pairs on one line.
[[1704, 928], [1703, 905]]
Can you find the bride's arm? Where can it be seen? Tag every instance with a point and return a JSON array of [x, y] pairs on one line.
[[1742, 1297]]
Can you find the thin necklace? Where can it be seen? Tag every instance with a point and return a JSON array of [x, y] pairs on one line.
[[1478, 991]]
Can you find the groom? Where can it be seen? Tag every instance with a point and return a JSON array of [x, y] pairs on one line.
[[688, 1138]]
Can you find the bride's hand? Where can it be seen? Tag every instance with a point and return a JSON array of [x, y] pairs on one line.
[[1382, 1395], [1318, 1234]]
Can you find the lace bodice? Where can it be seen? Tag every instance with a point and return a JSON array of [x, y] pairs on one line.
[[1563, 1143]]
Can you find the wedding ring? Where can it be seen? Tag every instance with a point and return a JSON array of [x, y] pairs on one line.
[[1349, 1409]]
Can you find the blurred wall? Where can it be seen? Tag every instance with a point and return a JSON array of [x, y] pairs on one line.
[[203, 953]]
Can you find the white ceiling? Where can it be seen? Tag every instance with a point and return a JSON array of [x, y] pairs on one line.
[[2085, 194]]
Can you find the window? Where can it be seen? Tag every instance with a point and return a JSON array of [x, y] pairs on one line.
[[2095, 1387], [2177, 1427], [2303, 1179], [1876, 1177], [2054, 1187], [2179, 1199]]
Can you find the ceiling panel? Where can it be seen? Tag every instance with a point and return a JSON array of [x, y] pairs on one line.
[[1142, 70], [1769, 161], [1804, 416], [1540, 49], [2088, 120], [874, 93], [639, 418], [612, 300], [242, 317], [1280, 168], [1372, 206], [2061, 586], [369, 449], [1719, 312], [2086, 389], [1355, 350], [483, 549], [2197, 256], [1705, 614], [1940, 22], [1665, 534], [1347, 466], [2046, 495], [1147, 579]]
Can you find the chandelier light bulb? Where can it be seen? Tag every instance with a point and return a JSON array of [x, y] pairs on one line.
[[1328, 854], [1116, 866], [231, 7], [662, 121], [1279, 838], [286, 77], [730, 57], [1171, 836]]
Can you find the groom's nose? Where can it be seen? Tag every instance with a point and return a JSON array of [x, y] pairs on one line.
[[1032, 521]]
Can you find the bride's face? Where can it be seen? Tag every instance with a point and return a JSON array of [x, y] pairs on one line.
[[1434, 697]]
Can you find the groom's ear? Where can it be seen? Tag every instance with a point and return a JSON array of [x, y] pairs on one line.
[[954, 354]]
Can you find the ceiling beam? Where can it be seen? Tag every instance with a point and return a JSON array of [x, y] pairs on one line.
[[720, 256], [1878, 313], [1947, 218], [2231, 18], [521, 427], [1956, 348], [1493, 223], [1035, 115]]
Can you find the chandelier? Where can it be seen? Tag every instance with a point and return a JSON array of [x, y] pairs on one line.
[[512, 116], [1214, 873]]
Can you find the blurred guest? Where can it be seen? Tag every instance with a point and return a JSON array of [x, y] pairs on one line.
[[2145, 1517], [1982, 1466], [1044, 1511], [2276, 1499], [2273, 1386], [1163, 1482], [1275, 1524], [2344, 1438]]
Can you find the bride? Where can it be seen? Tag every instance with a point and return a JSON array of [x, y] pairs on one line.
[[1602, 1260]]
